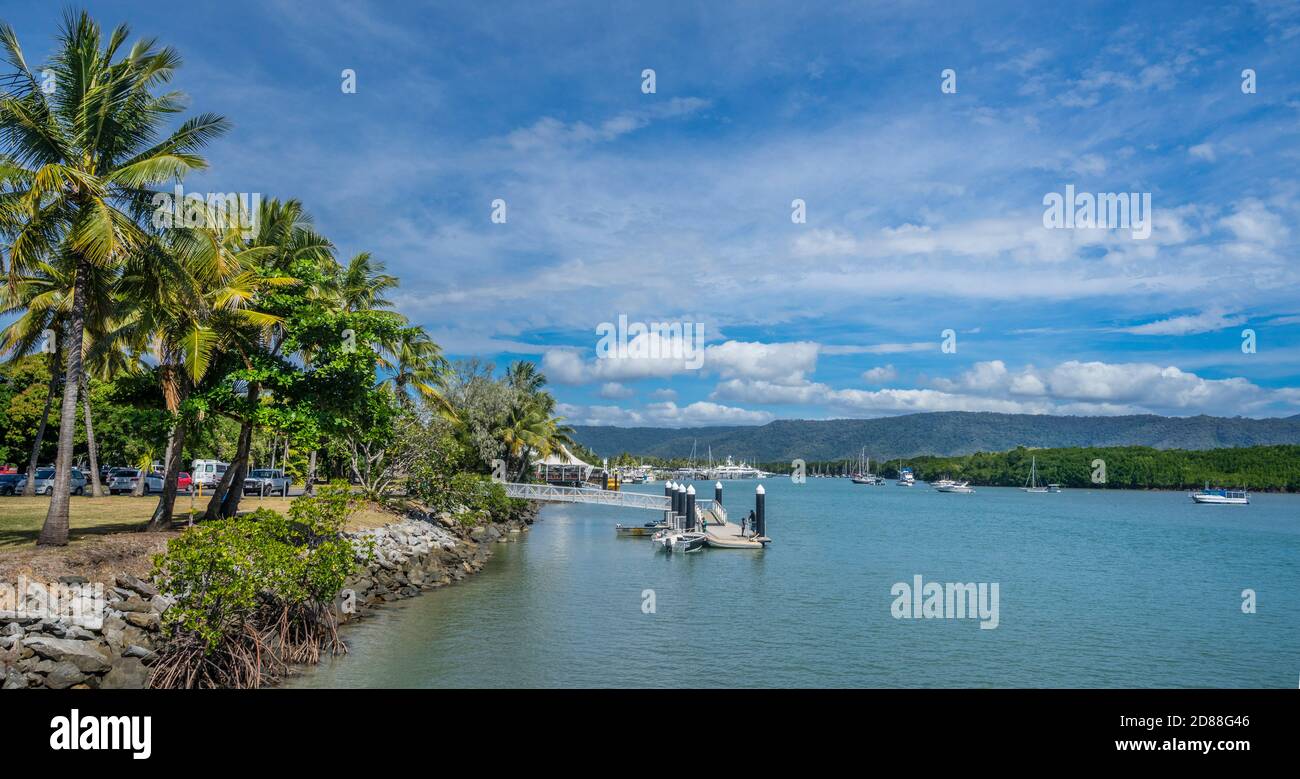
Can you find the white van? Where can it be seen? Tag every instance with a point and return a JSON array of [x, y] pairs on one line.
[[206, 473]]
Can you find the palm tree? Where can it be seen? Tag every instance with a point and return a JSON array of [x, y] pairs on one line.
[[362, 284], [44, 298], [531, 428], [76, 166], [39, 300], [285, 238], [413, 362], [523, 376], [188, 291]]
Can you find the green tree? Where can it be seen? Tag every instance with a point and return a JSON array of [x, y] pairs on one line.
[[77, 165]]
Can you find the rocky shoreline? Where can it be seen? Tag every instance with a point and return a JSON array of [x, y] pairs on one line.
[[406, 557]]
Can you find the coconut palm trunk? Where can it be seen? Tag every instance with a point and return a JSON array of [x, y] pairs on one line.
[[162, 514], [175, 389], [29, 489], [237, 471], [309, 489], [96, 489], [225, 496], [55, 530]]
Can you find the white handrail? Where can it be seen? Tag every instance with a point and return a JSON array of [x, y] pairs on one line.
[[637, 500]]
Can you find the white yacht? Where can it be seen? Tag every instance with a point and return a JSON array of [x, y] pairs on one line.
[[731, 470], [906, 478], [957, 487]]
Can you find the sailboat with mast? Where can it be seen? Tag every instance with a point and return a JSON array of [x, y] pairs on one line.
[[1031, 483], [864, 474]]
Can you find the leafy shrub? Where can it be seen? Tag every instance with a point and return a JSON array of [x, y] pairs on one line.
[[253, 593]]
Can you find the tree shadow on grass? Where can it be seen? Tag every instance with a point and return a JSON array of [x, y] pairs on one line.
[[11, 537]]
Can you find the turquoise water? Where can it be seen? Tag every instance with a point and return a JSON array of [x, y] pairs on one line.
[[1096, 589]]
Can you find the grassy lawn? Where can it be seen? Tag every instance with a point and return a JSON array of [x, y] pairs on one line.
[[93, 518]]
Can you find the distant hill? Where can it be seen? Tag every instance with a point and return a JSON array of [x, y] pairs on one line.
[[941, 433]]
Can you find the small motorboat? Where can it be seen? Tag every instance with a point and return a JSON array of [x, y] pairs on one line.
[[692, 541], [1221, 497], [648, 529], [958, 487]]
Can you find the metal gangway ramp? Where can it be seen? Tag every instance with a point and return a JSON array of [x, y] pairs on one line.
[[631, 500]]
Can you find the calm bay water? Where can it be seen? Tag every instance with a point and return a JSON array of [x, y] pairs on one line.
[[1096, 589]]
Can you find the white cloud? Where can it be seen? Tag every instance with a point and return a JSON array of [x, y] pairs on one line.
[[665, 414], [612, 390], [1070, 387], [880, 374], [785, 362], [1204, 322], [788, 362], [1252, 222], [551, 133], [1202, 151], [1093, 387]]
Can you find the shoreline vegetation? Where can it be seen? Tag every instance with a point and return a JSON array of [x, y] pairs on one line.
[[149, 344], [274, 613], [1255, 468]]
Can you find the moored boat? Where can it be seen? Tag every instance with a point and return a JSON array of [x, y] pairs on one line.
[[958, 487], [906, 478], [690, 541], [648, 529], [1031, 484], [1221, 497]]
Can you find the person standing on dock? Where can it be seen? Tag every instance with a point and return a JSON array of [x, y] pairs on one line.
[[747, 520]]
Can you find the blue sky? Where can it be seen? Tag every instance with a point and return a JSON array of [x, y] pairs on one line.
[[924, 209]]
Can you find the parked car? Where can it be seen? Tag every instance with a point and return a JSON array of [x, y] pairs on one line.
[[45, 482], [265, 481], [122, 480], [207, 473], [9, 483], [156, 479]]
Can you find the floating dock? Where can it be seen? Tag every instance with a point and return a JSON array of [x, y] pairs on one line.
[[725, 535], [721, 533]]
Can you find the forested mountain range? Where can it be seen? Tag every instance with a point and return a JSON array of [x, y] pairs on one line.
[[940, 433]]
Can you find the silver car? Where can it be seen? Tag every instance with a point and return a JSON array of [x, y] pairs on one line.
[[45, 482], [265, 481], [122, 480]]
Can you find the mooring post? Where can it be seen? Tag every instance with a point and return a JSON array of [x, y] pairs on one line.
[[717, 492], [690, 507], [760, 519], [668, 493], [679, 502]]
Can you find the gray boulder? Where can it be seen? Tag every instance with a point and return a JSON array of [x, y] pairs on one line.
[[64, 675], [128, 674], [84, 655]]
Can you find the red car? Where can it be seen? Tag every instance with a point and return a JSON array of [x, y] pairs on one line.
[[183, 481]]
